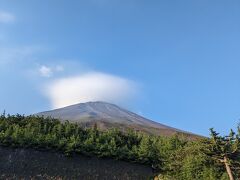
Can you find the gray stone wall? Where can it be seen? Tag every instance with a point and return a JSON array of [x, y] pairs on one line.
[[17, 163]]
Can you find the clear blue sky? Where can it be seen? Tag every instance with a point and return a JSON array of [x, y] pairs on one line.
[[183, 55]]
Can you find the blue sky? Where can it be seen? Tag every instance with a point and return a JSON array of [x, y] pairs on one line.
[[176, 62]]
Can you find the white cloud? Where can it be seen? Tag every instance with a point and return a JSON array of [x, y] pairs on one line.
[[15, 54], [6, 17], [93, 86], [45, 71], [49, 71]]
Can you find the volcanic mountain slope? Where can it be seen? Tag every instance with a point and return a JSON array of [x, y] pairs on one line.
[[107, 115]]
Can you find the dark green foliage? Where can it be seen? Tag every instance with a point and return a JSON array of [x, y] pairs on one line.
[[225, 150], [40, 133], [172, 157]]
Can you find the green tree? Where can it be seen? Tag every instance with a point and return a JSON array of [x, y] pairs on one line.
[[226, 150]]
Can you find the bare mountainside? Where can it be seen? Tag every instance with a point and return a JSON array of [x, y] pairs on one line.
[[107, 115]]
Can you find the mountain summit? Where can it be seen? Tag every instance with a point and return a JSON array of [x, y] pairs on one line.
[[107, 115]]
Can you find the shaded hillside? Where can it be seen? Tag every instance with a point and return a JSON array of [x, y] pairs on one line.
[[71, 138], [28, 163], [107, 115], [173, 157]]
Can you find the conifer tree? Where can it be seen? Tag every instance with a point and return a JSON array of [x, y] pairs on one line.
[[226, 150]]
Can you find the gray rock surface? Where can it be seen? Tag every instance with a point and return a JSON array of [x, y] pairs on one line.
[[18, 163]]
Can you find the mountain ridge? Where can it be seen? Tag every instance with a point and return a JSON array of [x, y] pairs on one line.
[[107, 115]]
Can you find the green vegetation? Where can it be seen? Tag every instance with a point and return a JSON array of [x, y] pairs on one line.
[[225, 150], [171, 157]]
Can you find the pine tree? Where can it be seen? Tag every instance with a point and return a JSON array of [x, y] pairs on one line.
[[226, 150]]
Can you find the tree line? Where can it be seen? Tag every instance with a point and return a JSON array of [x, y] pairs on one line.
[[172, 158]]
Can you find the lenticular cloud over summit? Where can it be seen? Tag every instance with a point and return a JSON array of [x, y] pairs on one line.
[[92, 86]]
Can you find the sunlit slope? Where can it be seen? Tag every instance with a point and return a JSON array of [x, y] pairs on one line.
[[107, 115]]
